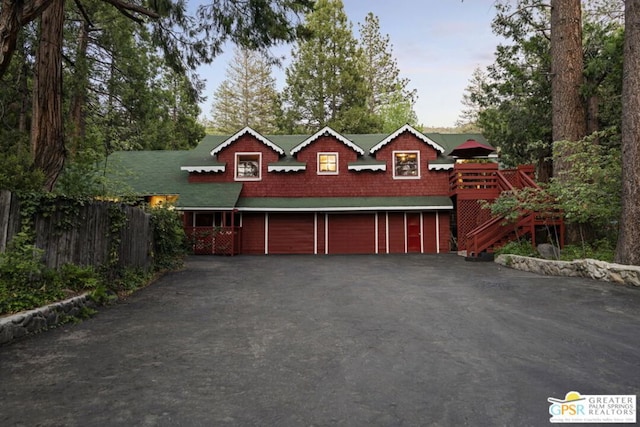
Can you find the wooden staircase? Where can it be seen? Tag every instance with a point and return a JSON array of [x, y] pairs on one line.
[[469, 182]]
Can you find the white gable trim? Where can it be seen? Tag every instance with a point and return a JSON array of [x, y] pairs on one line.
[[322, 132], [407, 128], [220, 168], [251, 132]]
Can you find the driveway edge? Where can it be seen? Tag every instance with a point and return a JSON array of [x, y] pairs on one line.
[[32, 321], [617, 273]]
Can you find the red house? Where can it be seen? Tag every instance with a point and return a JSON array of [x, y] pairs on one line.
[[325, 193]]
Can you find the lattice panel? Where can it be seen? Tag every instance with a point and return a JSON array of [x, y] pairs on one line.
[[469, 216], [224, 243]]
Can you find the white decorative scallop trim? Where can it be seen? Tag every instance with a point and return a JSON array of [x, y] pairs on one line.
[[282, 168], [251, 132], [441, 167], [412, 130], [322, 132], [203, 168], [382, 167]]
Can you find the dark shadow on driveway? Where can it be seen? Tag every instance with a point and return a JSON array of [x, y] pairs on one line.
[[324, 340]]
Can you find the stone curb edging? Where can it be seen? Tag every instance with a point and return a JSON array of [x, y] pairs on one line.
[[28, 322], [591, 268]]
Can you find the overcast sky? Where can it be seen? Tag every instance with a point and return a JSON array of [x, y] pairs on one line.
[[437, 44]]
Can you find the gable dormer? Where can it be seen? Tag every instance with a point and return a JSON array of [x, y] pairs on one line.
[[407, 128], [327, 131], [245, 131]]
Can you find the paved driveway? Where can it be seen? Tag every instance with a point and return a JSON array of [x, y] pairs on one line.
[[330, 340]]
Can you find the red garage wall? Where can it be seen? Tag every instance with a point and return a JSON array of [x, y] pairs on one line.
[[352, 233], [253, 233], [291, 233]]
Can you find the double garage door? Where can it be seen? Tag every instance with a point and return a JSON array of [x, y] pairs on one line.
[[337, 233], [331, 233]]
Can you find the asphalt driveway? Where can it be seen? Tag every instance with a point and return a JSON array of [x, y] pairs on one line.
[[330, 340]]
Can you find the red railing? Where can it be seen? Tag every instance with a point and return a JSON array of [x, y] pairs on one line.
[[215, 240], [485, 182], [474, 181]]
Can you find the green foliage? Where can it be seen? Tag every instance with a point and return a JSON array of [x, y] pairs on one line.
[[511, 100], [588, 191], [16, 172], [603, 250], [126, 280], [325, 84], [512, 204], [169, 239], [247, 96], [25, 282], [79, 278], [389, 100], [522, 247]]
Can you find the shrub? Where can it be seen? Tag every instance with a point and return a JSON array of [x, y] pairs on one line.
[[25, 282], [170, 241], [518, 247]]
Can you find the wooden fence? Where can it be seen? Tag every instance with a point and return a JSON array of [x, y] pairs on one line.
[[89, 237]]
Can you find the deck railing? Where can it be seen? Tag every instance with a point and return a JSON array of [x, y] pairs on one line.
[[484, 181], [215, 240]]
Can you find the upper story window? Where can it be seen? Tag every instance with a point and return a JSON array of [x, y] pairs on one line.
[[406, 164], [327, 163], [248, 166]]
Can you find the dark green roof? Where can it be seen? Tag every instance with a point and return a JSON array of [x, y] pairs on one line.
[[149, 173], [449, 141], [343, 203]]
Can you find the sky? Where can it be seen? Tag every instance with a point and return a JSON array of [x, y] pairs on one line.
[[437, 45]]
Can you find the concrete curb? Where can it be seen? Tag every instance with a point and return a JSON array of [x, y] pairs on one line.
[[591, 268], [32, 321]]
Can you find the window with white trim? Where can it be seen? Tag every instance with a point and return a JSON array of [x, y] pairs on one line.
[[248, 166], [406, 164], [327, 163]]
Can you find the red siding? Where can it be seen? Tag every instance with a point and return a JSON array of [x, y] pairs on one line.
[[347, 233], [253, 233], [351, 233], [396, 232], [429, 233], [444, 219], [291, 233], [346, 184]]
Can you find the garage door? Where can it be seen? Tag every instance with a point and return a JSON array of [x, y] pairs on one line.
[[290, 233], [351, 233]]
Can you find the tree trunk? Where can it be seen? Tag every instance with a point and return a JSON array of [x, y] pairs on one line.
[[569, 117], [47, 137], [9, 28], [628, 249], [569, 113], [14, 14]]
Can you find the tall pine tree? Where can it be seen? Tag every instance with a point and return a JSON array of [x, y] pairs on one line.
[[247, 97], [325, 83], [389, 97]]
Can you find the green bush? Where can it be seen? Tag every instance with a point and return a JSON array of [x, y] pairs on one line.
[[169, 239], [603, 250], [25, 282], [518, 247]]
